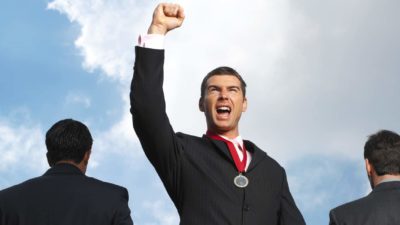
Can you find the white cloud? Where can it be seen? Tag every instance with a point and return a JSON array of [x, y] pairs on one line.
[[76, 98], [308, 68], [119, 139], [107, 32], [21, 148], [162, 213]]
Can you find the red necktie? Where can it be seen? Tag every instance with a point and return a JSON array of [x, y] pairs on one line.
[[240, 165]]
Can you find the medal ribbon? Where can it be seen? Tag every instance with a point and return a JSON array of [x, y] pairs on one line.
[[240, 165]]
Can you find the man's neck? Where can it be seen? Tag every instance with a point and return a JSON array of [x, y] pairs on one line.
[[232, 134], [80, 166], [387, 178]]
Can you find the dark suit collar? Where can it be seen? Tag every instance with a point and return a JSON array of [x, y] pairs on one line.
[[63, 169], [385, 186], [221, 146], [257, 155]]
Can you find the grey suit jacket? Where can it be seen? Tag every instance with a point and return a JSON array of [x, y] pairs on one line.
[[64, 196], [380, 207]]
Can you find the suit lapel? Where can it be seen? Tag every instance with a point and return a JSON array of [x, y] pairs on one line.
[[257, 155], [220, 146]]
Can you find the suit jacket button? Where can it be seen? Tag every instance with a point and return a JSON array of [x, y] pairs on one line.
[[246, 207]]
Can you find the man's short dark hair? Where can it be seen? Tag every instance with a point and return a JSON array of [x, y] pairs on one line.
[[67, 139], [383, 151], [223, 70]]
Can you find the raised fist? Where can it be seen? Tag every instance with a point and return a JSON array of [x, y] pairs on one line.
[[166, 16]]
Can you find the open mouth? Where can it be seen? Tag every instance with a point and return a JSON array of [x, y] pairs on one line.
[[223, 110]]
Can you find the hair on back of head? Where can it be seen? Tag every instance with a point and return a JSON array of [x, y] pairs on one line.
[[383, 151], [67, 139]]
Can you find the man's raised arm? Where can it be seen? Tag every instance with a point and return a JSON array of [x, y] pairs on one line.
[[150, 120]]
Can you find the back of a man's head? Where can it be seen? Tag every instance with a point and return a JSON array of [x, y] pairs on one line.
[[69, 140], [383, 151]]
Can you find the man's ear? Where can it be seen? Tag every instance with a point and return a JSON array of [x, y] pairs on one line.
[[372, 176], [86, 157], [244, 104], [51, 164], [368, 167], [201, 105]]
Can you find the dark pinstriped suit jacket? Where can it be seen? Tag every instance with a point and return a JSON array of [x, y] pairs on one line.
[[380, 207], [198, 172], [64, 196]]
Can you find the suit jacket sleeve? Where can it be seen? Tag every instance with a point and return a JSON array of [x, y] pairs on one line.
[[123, 216], [332, 218], [290, 214], [150, 120]]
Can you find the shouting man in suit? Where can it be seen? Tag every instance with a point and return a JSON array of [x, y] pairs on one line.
[[382, 205], [64, 195], [218, 178]]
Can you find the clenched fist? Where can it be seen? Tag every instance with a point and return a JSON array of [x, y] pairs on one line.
[[166, 16]]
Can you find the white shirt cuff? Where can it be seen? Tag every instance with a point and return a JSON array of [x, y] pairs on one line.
[[154, 41]]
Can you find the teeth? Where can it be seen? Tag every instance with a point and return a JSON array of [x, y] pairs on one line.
[[223, 109]]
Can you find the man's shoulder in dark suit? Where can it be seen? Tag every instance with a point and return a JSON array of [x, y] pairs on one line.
[[64, 194], [381, 207]]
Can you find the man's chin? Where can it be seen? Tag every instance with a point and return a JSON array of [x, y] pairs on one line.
[[222, 128]]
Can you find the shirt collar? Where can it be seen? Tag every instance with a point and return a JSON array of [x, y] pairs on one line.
[[389, 180], [237, 140]]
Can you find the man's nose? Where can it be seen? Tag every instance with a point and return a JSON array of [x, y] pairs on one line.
[[223, 94]]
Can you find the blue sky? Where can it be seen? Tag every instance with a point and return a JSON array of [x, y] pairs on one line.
[[321, 76], [41, 68]]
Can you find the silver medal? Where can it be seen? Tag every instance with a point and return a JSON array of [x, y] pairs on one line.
[[241, 181]]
